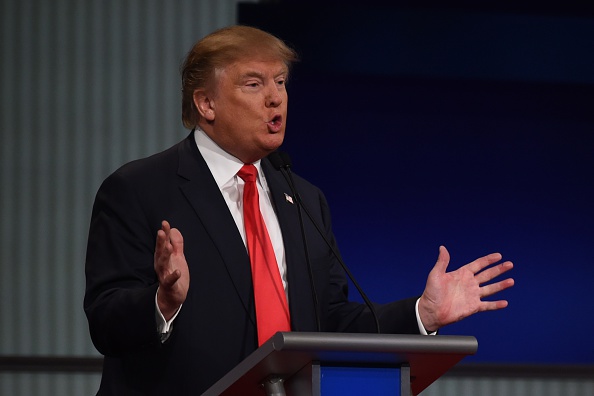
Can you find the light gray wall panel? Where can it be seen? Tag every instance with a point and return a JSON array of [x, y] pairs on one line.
[[472, 386], [37, 384], [86, 86]]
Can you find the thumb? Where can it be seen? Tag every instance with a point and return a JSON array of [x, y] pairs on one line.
[[443, 259]]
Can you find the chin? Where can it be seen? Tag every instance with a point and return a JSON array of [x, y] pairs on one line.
[[274, 141]]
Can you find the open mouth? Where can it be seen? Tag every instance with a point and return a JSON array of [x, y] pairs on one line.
[[276, 120], [275, 124]]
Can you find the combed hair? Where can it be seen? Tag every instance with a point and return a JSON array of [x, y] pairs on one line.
[[220, 49]]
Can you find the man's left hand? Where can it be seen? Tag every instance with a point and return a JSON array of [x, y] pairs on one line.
[[453, 296]]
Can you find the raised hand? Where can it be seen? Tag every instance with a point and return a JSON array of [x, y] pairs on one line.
[[172, 270], [453, 296]]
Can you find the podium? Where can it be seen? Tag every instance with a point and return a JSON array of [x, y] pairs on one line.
[[304, 364]]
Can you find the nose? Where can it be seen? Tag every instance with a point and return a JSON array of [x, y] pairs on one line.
[[274, 97]]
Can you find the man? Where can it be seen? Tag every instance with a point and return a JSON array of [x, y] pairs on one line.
[[173, 314]]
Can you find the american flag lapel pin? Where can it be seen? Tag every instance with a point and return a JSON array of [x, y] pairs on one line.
[[288, 198]]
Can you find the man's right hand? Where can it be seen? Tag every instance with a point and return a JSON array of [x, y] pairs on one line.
[[172, 270]]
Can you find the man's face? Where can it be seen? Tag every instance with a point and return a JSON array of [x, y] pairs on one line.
[[246, 112]]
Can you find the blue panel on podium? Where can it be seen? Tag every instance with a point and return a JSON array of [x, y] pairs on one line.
[[346, 381]]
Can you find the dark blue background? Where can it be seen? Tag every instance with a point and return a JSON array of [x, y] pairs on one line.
[[466, 128]]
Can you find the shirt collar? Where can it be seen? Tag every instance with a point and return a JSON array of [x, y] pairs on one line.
[[222, 165]]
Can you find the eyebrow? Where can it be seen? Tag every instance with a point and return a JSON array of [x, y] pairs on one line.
[[260, 75], [252, 74]]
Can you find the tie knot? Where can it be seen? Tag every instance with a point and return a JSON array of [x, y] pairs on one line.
[[248, 173]]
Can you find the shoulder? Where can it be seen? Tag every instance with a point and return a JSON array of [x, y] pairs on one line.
[[165, 160], [312, 196], [276, 176], [156, 167]]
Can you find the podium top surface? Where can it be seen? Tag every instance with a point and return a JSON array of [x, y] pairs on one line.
[[284, 354]]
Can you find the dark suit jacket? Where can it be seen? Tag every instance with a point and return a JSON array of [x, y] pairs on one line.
[[215, 328]]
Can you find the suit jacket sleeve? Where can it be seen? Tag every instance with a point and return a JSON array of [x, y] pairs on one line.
[[121, 282]]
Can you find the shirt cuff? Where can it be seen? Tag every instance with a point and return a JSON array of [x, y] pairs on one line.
[[165, 327], [419, 323]]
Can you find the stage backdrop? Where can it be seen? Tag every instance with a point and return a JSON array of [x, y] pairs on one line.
[[471, 129]]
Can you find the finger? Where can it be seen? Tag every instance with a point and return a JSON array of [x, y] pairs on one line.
[[162, 246], [489, 290], [493, 272], [492, 305], [166, 227], [168, 281], [477, 265], [443, 259], [177, 240]]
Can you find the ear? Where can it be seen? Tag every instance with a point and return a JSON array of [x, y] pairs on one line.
[[204, 104]]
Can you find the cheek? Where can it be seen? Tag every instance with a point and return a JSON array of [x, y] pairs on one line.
[[245, 109]]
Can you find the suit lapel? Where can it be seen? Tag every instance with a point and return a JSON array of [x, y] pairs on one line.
[[207, 201]]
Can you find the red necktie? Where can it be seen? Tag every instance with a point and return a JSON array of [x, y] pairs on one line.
[[272, 311]]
